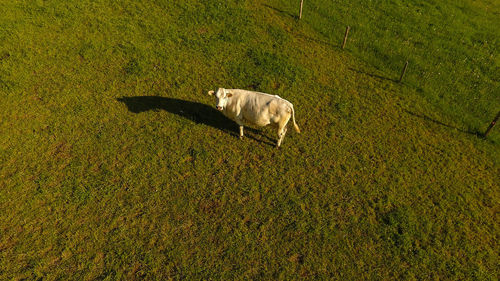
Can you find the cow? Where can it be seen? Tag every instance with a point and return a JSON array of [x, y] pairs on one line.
[[261, 109]]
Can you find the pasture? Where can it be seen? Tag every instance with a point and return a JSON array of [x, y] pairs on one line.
[[115, 164]]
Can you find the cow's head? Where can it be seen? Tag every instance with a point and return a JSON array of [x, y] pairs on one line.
[[221, 98]]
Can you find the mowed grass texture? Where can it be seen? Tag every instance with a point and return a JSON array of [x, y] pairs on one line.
[[116, 166]]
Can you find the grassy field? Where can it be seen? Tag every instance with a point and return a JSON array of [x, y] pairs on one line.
[[116, 166]]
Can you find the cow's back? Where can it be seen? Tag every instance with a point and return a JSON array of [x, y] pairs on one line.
[[262, 109]]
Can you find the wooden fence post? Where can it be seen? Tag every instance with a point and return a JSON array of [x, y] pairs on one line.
[[492, 124], [345, 36], [403, 72], [301, 4]]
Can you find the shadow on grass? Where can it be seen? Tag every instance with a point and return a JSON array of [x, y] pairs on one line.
[[373, 75], [303, 36], [427, 118], [281, 11], [319, 41], [199, 113]]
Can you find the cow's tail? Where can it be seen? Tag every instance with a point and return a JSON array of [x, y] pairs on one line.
[[293, 119]]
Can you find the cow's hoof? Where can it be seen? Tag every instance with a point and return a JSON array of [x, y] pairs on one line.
[[241, 137]]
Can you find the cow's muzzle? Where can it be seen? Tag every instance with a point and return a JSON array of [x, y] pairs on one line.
[[219, 108]]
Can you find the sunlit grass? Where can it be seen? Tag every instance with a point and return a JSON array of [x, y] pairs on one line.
[[115, 165]]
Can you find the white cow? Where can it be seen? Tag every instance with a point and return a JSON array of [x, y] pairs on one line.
[[256, 108]]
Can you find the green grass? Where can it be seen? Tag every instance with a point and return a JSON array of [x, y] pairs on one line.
[[451, 49], [114, 164]]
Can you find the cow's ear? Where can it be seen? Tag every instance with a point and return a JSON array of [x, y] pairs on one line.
[[229, 95], [210, 93]]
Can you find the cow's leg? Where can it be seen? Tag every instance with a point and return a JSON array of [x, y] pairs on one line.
[[282, 129], [239, 118], [281, 135], [240, 123]]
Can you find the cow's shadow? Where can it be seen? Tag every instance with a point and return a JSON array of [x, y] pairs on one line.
[[198, 113]]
